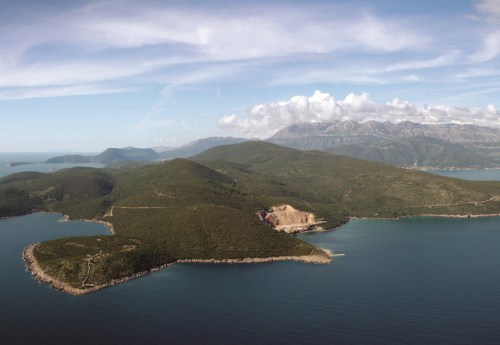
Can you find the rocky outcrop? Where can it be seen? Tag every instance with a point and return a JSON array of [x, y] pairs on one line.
[[288, 219]]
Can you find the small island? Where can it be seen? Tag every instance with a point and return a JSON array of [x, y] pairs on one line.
[[15, 164], [239, 203]]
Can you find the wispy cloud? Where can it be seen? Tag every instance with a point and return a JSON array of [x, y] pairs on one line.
[[490, 48], [488, 10], [118, 40], [446, 59], [63, 91], [174, 44]]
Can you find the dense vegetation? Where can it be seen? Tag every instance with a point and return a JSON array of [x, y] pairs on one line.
[[206, 207], [418, 151]]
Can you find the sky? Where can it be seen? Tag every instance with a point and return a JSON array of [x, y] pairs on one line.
[[82, 76]]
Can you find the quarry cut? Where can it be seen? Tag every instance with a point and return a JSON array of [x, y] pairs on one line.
[[287, 219]]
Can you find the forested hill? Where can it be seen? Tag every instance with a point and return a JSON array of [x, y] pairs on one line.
[[207, 207]]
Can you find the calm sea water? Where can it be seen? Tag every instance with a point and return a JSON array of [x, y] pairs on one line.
[[480, 175], [411, 281], [37, 159]]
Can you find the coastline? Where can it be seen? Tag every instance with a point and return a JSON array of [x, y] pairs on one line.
[[108, 225], [36, 271], [481, 215], [310, 259]]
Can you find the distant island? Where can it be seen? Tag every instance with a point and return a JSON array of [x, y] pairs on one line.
[[113, 155], [15, 164], [233, 203]]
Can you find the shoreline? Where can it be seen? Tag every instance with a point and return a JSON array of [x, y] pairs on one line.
[[66, 218], [311, 259], [36, 271], [481, 215], [34, 268]]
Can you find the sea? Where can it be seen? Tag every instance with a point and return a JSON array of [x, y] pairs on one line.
[[420, 280], [37, 159]]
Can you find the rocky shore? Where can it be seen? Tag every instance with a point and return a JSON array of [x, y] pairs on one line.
[[312, 259], [35, 269]]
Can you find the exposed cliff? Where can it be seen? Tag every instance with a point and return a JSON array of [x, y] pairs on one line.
[[288, 219]]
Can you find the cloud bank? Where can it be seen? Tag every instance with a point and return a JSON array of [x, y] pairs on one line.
[[264, 120]]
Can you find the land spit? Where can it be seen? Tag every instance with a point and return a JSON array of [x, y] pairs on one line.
[[35, 269]]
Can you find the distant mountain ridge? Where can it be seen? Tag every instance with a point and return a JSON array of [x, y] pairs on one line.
[[387, 130], [113, 155], [198, 146], [402, 144], [108, 156]]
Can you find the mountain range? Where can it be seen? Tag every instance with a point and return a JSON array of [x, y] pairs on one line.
[[401, 144], [404, 144]]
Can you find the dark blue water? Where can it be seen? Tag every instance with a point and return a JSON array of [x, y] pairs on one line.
[[412, 281]]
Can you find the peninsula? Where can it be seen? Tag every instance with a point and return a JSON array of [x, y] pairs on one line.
[[231, 204], [16, 164]]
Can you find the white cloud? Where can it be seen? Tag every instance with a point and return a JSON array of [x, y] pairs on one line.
[[442, 60], [115, 40], [355, 72], [243, 33], [62, 91], [175, 43], [265, 119], [488, 10], [490, 48]]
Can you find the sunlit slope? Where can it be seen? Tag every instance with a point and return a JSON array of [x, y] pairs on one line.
[[351, 186]]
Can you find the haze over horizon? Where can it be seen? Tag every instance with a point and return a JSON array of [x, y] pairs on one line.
[[88, 75]]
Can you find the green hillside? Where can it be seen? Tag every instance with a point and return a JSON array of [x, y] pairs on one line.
[[344, 185], [419, 151], [206, 208]]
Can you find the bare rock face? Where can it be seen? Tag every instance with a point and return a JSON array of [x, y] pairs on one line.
[[288, 219]]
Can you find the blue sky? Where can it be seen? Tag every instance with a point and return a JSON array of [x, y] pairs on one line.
[[87, 75]]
